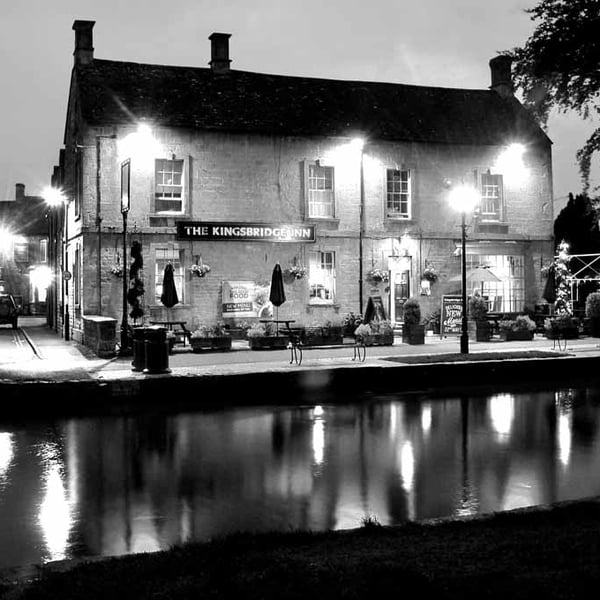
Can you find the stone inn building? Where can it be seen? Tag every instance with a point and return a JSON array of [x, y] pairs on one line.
[[346, 184]]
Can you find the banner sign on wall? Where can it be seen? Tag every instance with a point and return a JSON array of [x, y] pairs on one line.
[[210, 231], [451, 321], [244, 299]]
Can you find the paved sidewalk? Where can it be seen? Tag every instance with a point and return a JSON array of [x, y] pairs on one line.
[[71, 361]]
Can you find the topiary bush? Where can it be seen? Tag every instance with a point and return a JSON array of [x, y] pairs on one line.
[[412, 312]]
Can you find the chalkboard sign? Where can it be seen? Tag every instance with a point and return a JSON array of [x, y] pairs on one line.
[[451, 321]]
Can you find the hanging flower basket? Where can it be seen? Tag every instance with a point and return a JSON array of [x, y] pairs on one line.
[[200, 270], [117, 270], [375, 276], [293, 273], [430, 274]]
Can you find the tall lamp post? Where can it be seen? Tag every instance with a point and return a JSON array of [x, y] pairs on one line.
[[464, 199], [125, 203], [54, 197]]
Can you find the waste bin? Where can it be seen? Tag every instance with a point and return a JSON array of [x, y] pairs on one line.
[[139, 352], [156, 350]]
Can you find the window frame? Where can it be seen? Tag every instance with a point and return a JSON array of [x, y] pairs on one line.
[[162, 255], [398, 215], [309, 202], [318, 257], [495, 180], [183, 188]]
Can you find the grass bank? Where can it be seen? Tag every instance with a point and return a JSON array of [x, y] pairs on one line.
[[551, 553]]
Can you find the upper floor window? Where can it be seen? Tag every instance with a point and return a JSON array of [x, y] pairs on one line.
[[164, 256], [398, 194], [43, 251], [321, 275], [168, 192], [491, 197], [21, 252], [320, 191]]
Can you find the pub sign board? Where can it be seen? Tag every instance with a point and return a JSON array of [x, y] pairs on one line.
[[451, 321], [214, 231]]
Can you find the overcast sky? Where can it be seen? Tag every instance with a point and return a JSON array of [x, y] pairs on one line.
[[444, 43]]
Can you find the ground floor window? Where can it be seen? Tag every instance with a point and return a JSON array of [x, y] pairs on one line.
[[164, 256], [507, 294], [322, 277]]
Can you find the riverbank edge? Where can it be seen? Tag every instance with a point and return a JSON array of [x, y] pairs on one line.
[[173, 392], [401, 555]]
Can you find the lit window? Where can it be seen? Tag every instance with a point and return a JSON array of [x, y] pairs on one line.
[[491, 197], [398, 194], [165, 256], [21, 252], [43, 251], [322, 277], [169, 186], [320, 192]]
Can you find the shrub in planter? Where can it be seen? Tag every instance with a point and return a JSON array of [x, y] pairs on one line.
[[264, 336], [350, 322], [413, 331], [520, 328], [326, 334], [592, 312], [562, 326], [208, 337], [479, 327], [382, 333], [432, 321]]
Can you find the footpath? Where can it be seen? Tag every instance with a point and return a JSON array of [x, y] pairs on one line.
[[74, 373]]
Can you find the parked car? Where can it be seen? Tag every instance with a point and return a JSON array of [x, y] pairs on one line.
[[9, 311]]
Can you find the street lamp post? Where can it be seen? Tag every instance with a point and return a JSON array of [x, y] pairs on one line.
[[125, 203], [464, 198]]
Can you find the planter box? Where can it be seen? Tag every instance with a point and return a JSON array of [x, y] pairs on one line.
[[572, 333], [479, 331], [413, 334], [268, 342], [211, 343], [320, 336], [513, 336], [378, 339]]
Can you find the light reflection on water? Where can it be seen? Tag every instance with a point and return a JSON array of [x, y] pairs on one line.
[[109, 486]]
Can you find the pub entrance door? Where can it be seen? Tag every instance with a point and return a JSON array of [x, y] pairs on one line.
[[400, 275]]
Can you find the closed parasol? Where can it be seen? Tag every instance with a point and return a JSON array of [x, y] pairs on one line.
[[277, 293], [549, 293], [169, 292]]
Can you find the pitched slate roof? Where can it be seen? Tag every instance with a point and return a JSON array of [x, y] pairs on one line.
[[26, 216], [114, 92]]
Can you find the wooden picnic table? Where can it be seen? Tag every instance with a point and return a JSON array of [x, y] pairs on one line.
[[177, 327]]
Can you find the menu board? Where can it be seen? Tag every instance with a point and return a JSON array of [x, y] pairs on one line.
[[451, 315]]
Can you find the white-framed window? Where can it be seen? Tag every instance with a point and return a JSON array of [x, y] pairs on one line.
[[320, 191], [398, 193], [492, 199], [168, 186], [43, 250], [164, 256], [321, 277]]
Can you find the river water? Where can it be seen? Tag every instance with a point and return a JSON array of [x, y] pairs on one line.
[[116, 485]]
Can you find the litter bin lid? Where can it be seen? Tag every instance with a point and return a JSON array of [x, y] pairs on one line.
[[155, 334]]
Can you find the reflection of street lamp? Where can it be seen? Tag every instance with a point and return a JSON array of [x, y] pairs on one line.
[[125, 202], [464, 198], [54, 197]]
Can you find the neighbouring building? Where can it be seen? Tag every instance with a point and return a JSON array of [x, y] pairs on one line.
[[24, 251], [236, 171]]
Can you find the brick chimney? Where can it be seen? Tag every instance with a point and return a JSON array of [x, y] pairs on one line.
[[219, 53], [19, 191], [84, 42], [500, 67]]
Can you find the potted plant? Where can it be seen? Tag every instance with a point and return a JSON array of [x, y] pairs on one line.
[[479, 326], [413, 331], [293, 273], [350, 322], [432, 321], [382, 333], [520, 328], [376, 276], [325, 334], [171, 339], [592, 312], [264, 336], [430, 274], [206, 337], [563, 326]]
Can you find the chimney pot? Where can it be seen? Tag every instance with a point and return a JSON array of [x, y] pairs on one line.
[[219, 53], [84, 46], [19, 191], [500, 67]]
